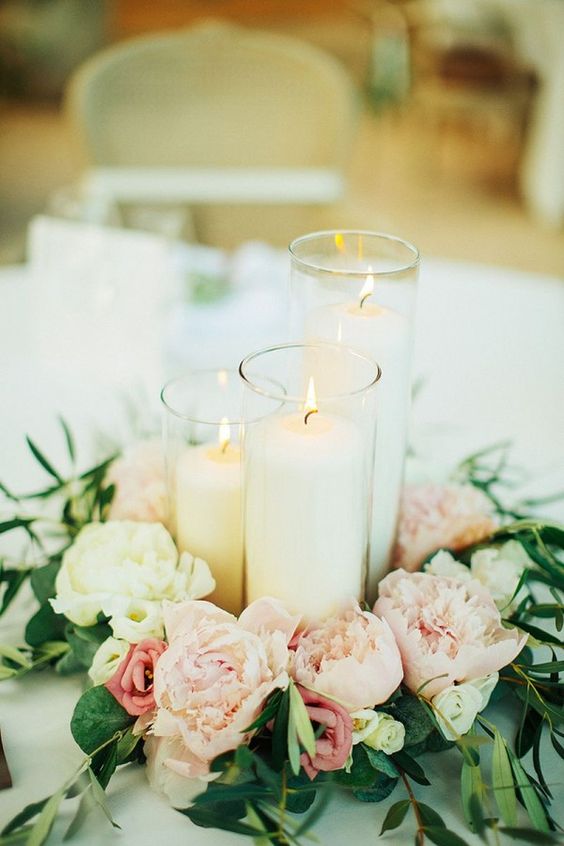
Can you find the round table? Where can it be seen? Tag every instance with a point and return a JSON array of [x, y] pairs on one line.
[[490, 349]]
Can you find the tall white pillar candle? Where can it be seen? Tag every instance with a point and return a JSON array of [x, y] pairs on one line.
[[305, 521], [383, 335], [208, 516]]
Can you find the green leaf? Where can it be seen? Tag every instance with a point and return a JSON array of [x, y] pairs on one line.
[[293, 744], [362, 773], [529, 835], [532, 803], [44, 626], [471, 787], [395, 816], [41, 829], [502, 781], [381, 762], [429, 816], [268, 713], [43, 580], [100, 796], [443, 837], [47, 466], [547, 667], [412, 713], [280, 731], [406, 763], [208, 818], [28, 813], [13, 579], [14, 655], [96, 718], [16, 523], [301, 720], [69, 439], [378, 792], [69, 665], [126, 746]]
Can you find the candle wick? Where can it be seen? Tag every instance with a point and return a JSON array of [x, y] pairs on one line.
[[364, 298], [224, 446], [308, 415]]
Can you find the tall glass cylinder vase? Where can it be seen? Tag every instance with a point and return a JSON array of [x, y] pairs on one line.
[[201, 427], [308, 454], [358, 289]]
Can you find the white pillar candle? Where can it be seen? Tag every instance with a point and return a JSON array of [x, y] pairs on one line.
[[208, 515], [305, 525], [383, 334]]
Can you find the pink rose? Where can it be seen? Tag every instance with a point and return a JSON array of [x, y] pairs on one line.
[[352, 657], [132, 683], [445, 627], [333, 747], [139, 478], [215, 676], [434, 516]]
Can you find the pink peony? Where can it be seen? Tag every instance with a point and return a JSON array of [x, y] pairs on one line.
[[445, 627], [352, 657], [132, 683], [434, 516], [139, 478], [333, 747], [212, 681]]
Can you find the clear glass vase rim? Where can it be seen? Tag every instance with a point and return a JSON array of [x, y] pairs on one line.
[[385, 236], [284, 397], [202, 372]]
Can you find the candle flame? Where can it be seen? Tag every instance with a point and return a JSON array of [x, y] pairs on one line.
[[367, 288], [224, 434], [340, 242], [310, 405]]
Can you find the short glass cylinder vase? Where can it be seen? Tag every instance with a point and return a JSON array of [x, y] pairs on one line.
[[201, 430], [359, 289], [308, 454]]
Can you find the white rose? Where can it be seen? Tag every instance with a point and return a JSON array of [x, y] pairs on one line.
[[455, 709], [135, 619], [485, 686], [377, 730], [499, 570], [107, 659], [444, 564], [123, 559]]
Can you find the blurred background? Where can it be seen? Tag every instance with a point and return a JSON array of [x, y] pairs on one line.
[[439, 120]]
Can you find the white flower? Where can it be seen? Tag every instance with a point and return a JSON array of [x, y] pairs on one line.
[[444, 564], [499, 570], [107, 659], [486, 687], [135, 619], [456, 708], [124, 559], [378, 730]]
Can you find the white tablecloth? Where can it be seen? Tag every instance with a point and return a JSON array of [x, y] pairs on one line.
[[490, 347]]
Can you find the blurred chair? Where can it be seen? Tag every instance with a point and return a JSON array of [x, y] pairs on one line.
[[249, 129]]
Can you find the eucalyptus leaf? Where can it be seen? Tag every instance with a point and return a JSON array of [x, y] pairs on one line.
[[45, 625], [96, 718], [502, 781], [406, 763], [301, 721], [529, 835], [40, 458], [381, 762], [443, 837], [535, 810], [43, 580], [42, 827], [395, 816], [382, 788], [410, 711]]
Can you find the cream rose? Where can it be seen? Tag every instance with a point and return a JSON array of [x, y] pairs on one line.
[[107, 659], [122, 559], [378, 730], [456, 708]]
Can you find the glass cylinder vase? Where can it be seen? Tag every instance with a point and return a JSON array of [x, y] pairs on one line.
[[358, 289], [308, 454], [201, 429]]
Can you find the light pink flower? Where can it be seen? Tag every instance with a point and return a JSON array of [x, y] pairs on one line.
[[445, 627], [434, 516], [352, 657], [139, 477], [333, 747], [132, 683], [212, 681]]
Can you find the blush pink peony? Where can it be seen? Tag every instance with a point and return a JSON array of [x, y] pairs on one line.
[[132, 683], [445, 627], [434, 516], [139, 479], [352, 657], [333, 746], [212, 681]]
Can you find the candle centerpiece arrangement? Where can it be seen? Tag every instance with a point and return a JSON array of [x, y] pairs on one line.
[[203, 466], [358, 289], [308, 449]]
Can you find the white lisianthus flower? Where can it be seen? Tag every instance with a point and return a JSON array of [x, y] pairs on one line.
[[378, 730], [444, 564], [456, 708], [135, 619], [499, 570], [124, 559], [107, 659]]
